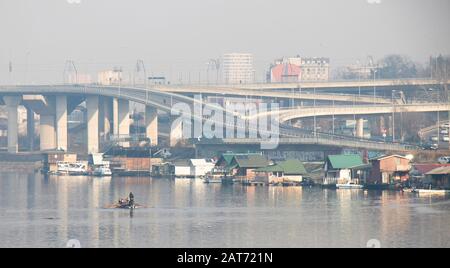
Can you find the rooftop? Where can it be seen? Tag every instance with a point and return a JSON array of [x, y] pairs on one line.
[[382, 157], [425, 168], [345, 161], [439, 171], [250, 161], [288, 167]]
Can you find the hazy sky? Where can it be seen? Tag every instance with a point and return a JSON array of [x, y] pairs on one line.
[[174, 36]]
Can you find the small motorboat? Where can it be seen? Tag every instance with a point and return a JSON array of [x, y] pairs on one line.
[[408, 190], [67, 168], [432, 192], [349, 185], [102, 171], [213, 178]]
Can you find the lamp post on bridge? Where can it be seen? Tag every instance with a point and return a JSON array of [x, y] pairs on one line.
[[333, 117], [315, 119], [214, 65], [393, 114], [374, 87]]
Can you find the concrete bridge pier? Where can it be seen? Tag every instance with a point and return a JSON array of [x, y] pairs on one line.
[[61, 122], [176, 131], [151, 124], [389, 125], [360, 127], [92, 107], [30, 129], [47, 132], [123, 120], [12, 104], [106, 116], [53, 120]]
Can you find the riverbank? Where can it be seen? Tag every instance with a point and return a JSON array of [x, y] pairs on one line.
[[26, 162], [27, 167]]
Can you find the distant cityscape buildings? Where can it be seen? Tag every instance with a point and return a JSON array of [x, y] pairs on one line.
[[238, 68], [359, 71], [79, 79], [110, 77], [298, 69], [285, 70]]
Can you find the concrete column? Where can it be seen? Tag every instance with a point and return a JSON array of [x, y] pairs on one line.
[[106, 115], [124, 120], [30, 129], [61, 122], [360, 128], [116, 116], [382, 125], [151, 124], [47, 132], [389, 125], [92, 108], [176, 132], [12, 104]]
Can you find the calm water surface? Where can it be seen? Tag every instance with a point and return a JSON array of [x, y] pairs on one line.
[[36, 211]]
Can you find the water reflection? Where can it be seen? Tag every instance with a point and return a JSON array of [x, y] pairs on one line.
[[38, 211]]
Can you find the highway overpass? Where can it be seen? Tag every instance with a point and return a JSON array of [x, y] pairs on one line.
[[346, 84], [285, 115], [108, 112]]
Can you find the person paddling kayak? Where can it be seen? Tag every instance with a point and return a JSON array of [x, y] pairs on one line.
[[131, 199]]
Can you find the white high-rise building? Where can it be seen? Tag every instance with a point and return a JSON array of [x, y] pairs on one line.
[[238, 68], [111, 77]]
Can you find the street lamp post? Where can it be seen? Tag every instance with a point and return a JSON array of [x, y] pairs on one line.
[[293, 98], [438, 124], [374, 87], [26, 66], [333, 117], [354, 116], [315, 120], [393, 115], [359, 83]]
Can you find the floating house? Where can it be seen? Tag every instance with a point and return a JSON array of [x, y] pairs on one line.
[[133, 166], [200, 167], [182, 169], [389, 169], [341, 169], [242, 167], [439, 178], [289, 171], [419, 171], [193, 168]]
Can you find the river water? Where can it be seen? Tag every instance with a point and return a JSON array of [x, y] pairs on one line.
[[39, 211]]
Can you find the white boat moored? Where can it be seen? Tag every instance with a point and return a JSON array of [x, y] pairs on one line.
[[102, 172], [349, 185]]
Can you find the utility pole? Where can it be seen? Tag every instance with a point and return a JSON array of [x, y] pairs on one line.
[[393, 115], [315, 119], [374, 87], [333, 117]]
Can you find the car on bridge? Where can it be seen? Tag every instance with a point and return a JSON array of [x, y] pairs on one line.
[[429, 146], [444, 159]]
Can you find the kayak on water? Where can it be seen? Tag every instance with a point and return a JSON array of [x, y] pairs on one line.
[[126, 203]]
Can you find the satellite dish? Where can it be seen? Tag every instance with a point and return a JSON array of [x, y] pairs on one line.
[[410, 157]]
